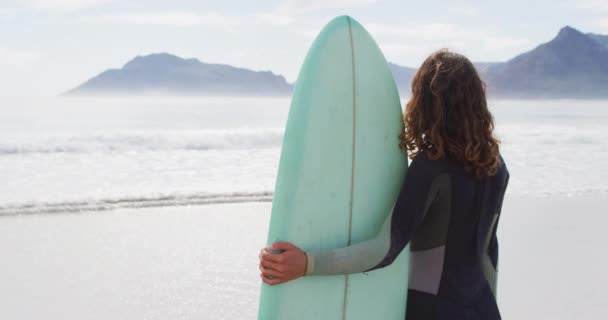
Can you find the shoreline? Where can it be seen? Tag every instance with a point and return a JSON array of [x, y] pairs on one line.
[[203, 199]]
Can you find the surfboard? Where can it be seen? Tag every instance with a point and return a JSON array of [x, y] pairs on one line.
[[339, 176]]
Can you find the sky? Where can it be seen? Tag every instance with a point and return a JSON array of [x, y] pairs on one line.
[[50, 46]]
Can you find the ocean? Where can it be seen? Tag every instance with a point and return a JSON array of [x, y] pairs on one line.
[[87, 154]]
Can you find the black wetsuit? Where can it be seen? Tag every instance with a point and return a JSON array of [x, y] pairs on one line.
[[449, 217]]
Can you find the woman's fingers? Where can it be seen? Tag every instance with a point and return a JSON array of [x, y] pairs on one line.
[[281, 267], [272, 281], [281, 245], [277, 258], [272, 265], [270, 273]]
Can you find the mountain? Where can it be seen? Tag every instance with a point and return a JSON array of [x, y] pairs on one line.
[[572, 65], [403, 77], [167, 73], [601, 39]]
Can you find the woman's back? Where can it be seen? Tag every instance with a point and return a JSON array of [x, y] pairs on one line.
[[454, 250]]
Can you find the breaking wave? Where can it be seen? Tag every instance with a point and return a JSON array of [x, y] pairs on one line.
[[142, 141], [132, 202]]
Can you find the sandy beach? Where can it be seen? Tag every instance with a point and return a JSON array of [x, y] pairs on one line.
[[200, 262]]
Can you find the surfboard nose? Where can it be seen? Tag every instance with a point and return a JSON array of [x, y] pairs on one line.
[[344, 24], [342, 20]]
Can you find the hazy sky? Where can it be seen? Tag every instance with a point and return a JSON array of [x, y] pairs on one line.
[[49, 46]]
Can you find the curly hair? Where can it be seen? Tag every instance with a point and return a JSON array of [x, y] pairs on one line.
[[447, 115]]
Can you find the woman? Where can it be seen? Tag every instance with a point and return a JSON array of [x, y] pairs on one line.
[[447, 209]]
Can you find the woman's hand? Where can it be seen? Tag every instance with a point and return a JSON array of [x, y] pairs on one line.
[[282, 267]]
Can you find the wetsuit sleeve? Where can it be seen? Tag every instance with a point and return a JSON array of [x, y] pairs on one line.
[[415, 197]]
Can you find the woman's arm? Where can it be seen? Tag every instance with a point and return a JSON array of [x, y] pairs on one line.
[[417, 193], [358, 257], [418, 190]]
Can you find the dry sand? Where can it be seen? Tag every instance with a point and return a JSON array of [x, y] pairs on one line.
[[200, 262]]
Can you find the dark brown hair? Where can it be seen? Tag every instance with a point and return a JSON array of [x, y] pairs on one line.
[[447, 115]]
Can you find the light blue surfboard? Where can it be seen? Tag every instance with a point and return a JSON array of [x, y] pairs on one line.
[[339, 176]]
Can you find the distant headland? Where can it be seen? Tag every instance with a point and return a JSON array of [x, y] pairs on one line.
[[170, 74]]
